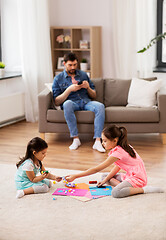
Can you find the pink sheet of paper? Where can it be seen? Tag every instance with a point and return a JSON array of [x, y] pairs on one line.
[[70, 192]]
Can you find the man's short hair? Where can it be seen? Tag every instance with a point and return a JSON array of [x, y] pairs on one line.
[[70, 57]]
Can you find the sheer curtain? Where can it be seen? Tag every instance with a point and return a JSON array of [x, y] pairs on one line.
[[133, 25], [146, 23], [35, 51]]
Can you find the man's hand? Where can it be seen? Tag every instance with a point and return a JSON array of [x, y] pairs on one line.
[[75, 87], [62, 97], [85, 84]]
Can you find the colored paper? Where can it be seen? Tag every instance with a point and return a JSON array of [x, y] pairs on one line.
[[70, 192], [95, 191], [83, 192], [81, 186]]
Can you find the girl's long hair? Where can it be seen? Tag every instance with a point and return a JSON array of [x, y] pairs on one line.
[[36, 144], [114, 131]]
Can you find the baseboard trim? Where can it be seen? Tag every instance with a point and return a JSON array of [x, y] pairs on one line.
[[11, 121]]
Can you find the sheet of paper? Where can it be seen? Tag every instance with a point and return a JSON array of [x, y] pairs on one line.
[[81, 186], [70, 192], [87, 197], [95, 191]]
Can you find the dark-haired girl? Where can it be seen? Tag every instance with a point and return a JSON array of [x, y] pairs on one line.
[[26, 179], [124, 157]]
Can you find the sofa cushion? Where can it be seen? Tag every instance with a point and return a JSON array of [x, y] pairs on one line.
[[131, 114], [99, 87], [142, 93], [57, 116], [116, 92]]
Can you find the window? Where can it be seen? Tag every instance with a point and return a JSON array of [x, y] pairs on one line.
[[161, 28], [0, 35], [0, 41], [10, 47]]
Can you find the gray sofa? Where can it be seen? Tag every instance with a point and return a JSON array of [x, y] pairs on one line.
[[113, 93]]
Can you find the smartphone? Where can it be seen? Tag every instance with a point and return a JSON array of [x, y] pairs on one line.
[[80, 82]]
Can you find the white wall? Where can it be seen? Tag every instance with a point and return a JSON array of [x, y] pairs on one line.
[[86, 13], [62, 13], [161, 76]]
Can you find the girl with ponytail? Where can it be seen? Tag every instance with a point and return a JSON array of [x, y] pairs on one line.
[[123, 156]]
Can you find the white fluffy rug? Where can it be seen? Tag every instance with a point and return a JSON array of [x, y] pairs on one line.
[[38, 216]]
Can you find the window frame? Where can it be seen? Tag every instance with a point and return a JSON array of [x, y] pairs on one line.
[[160, 64], [0, 37]]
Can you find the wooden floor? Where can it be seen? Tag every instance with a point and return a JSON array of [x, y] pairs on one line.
[[14, 139]]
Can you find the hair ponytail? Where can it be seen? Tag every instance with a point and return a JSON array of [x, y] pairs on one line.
[[123, 142], [114, 131]]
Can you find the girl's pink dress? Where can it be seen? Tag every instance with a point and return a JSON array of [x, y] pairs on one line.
[[134, 167]]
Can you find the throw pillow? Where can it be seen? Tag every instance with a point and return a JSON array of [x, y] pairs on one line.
[[142, 93], [49, 86]]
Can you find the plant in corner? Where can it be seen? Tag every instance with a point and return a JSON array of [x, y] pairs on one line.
[[2, 68]]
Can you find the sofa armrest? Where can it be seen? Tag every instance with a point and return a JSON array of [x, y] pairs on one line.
[[44, 103], [161, 98]]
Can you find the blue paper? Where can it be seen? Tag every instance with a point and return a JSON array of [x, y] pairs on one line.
[[95, 191]]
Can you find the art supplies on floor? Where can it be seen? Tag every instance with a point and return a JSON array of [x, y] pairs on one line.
[[84, 192]]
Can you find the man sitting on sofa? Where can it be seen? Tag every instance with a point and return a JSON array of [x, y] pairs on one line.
[[73, 91]]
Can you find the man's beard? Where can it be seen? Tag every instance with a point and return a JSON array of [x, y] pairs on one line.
[[72, 71]]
